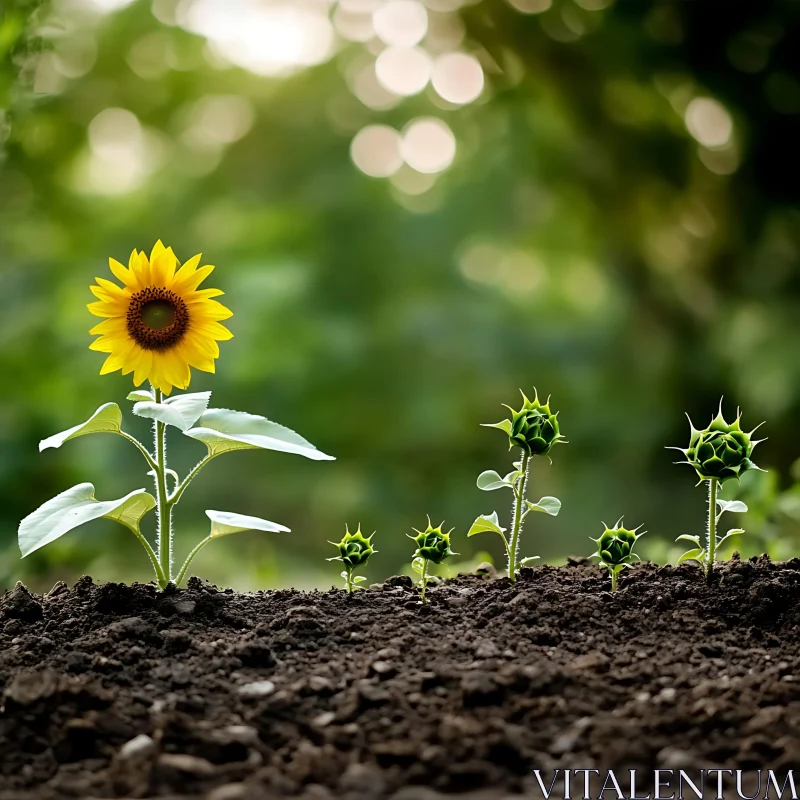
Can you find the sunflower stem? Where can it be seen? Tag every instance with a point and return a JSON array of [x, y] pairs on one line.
[[162, 499], [424, 580], [519, 501], [712, 527], [189, 558], [180, 488], [613, 581]]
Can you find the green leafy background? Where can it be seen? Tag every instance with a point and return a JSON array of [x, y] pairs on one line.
[[584, 240]]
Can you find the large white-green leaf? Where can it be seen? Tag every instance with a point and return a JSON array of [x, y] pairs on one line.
[[181, 411], [224, 523], [222, 430], [735, 506], [75, 507], [486, 522], [547, 505], [490, 480], [107, 419]]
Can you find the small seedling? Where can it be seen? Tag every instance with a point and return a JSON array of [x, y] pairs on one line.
[[433, 547], [534, 430], [159, 326], [615, 550], [717, 453], [355, 550]]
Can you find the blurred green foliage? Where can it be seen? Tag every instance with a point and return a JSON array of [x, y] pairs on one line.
[[619, 227]]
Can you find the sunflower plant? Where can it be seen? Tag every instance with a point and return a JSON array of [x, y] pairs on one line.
[[717, 453], [433, 547], [615, 550], [534, 430], [355, 550], [158, 325]]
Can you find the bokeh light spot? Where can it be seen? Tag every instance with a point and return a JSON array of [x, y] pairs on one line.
[[531, 6], [709, 122], [403, 70], [401, 22], [457, 78], [375, 150], [428, 145]]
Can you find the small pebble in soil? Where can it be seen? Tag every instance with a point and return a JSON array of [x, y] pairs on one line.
[[256, 689]]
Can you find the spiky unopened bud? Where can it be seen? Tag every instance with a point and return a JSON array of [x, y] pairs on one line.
[[615, 546], [534, 427], [432, 544], [355, 549], [722, 450]]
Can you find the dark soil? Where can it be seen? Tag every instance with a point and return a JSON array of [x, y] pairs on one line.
[[117, 691]]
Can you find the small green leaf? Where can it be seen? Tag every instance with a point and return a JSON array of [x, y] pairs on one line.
[[547, 505], [486, 522], [504, 425], [359, 579], [528, 560], [222, 431], [181, 411], [490, 480], [732, 532], [75, 507], [688, 538], [735, 506], [141, 395], [107, 419], [224, 523], [691, 555]]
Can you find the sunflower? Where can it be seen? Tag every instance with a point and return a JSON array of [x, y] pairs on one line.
[[158, 324]]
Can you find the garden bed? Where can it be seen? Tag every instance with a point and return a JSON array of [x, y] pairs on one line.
[[116, 691]]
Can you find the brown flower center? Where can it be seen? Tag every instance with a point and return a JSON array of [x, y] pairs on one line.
[[157, 319]]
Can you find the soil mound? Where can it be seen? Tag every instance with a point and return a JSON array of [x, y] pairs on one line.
[[125, 691]]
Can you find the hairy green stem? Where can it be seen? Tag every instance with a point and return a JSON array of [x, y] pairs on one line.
[[613, 580], [180, 487], [348, 580], [424, 579], [712, 527], [518, 514], [152, 555], [139, 446], [164, 507], [189, 558]]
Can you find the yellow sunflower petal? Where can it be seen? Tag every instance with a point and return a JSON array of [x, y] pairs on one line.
[[140, 267], [103, 309], [202, 294], [203, 347], [102, 345], [162, 266], [111, 364], [215, 330], [143, 367], [188, 283], [120, 272], [113, 326], [209, 310], [185, 273]]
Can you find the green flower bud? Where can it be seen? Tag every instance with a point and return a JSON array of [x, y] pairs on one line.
[[432, 544], [615, 546], [355, 549], [720, 451], [534, 427]]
